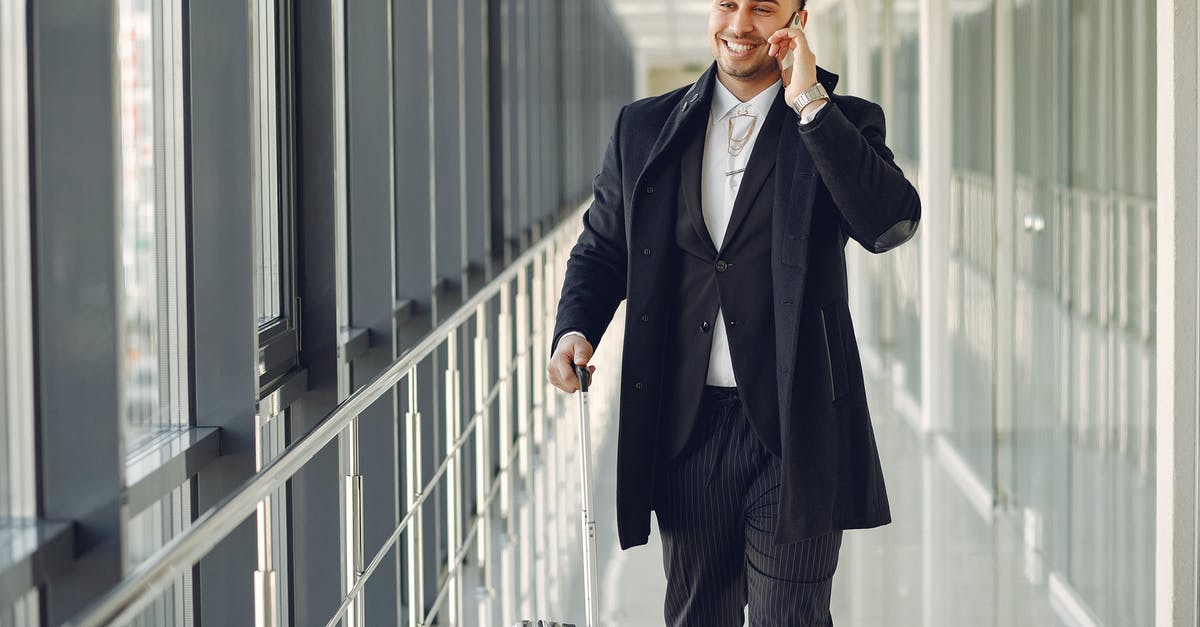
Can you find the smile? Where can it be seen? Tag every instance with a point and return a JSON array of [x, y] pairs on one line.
[[739, 48]]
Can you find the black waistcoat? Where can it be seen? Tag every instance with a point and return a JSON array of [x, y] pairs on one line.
[[738, 281]]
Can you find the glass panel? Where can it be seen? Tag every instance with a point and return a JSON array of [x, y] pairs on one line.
[[23, 613], [971, 288], [903, 129], [1041, 344], [148, 531], [152, 232], [17, 481], [1083, 447], [1110, 248], [271, 156]]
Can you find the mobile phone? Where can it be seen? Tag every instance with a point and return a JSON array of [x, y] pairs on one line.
[[786, 64]]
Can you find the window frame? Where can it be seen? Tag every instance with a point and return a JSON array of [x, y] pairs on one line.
[[274, 183]]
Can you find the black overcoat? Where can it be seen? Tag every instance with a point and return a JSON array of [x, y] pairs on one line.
[[835, 180]]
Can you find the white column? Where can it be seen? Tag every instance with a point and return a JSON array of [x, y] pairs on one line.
[[935, 197], [1177, 352], [1005, 163]]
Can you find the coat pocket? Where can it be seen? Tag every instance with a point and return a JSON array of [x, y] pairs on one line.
[[835, 351]]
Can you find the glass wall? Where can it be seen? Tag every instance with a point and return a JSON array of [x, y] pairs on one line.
[[903, 132], [1083, 439], [885, 290], [153, 239], [971, 281], [16, 403], [1109, 223], [1077, 441], [18, 502], [152, 217]]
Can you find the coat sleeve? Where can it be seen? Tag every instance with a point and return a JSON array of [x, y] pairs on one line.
[[880, 209], [595, 281]]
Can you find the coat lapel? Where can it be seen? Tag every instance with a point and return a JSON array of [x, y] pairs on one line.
[[758, 168], [694, 104], [690, 167]]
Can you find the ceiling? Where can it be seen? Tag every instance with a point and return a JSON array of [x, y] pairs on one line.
[[666, 30]]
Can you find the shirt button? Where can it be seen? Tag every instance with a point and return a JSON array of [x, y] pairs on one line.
[[705, 326], [722, 265]]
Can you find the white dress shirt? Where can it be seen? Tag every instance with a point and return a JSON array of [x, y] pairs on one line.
[[719, 190]]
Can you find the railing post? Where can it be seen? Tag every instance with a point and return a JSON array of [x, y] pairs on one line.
[[524, 457], [506, 375], [483, 464], [412, 452], [265, 580], [454, 478], [353, 523]]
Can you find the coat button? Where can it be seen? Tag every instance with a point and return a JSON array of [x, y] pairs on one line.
[[638, 385], [705, 326], [645, 318], [650, 190], [722, 265], [732, 322], [646, 252]]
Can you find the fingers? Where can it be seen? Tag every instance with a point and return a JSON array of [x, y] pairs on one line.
[[783, 40], [562, 374], [560, 370]]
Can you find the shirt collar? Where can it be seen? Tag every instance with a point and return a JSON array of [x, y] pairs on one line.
[[725, 103]]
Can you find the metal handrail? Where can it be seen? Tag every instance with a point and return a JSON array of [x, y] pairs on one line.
[[190, 546]]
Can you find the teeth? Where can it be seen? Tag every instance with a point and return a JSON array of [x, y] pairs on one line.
[[738, 47]]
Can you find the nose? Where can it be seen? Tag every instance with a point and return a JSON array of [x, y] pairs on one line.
[[742, 21]]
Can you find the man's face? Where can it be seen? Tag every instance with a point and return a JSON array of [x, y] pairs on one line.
[[739, 31]]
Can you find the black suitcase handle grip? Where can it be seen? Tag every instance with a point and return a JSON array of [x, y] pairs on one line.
[[585, 377]]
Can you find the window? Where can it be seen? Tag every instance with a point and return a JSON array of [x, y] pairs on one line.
[[17, 483], [18, 501], [153, 236], [271, 121]]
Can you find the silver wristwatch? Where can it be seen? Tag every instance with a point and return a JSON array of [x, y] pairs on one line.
[[816, 92]]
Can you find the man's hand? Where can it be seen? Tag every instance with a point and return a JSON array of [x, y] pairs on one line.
[[571, 350], [804, 62]]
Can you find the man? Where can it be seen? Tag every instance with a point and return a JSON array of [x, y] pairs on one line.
[[721, 214]]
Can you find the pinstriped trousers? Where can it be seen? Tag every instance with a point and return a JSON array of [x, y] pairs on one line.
[[716, 505]]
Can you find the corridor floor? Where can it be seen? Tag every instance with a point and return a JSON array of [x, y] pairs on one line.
[[939, 564]]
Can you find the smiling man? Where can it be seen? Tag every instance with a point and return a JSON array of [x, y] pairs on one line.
[[721, 214]]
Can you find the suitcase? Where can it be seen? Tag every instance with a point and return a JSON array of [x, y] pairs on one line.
[[587, 517]]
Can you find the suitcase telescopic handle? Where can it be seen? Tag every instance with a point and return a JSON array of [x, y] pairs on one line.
[[587, 517]]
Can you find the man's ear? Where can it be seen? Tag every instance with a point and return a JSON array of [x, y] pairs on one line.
[[803, 17]]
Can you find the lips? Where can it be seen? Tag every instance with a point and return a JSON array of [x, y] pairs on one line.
[[740, 49]]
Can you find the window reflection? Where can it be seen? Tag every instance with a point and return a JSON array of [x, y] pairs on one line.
[[153, 307], [153, 310], [16, 388]]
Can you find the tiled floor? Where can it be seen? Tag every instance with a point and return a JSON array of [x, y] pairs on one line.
[[939, 564]]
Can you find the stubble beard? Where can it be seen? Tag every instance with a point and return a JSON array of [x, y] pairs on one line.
[[745, 70]]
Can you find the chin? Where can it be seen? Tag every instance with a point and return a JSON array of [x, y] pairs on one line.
[[742, 70]]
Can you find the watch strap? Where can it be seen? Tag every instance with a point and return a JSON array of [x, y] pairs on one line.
[[816, 92]]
